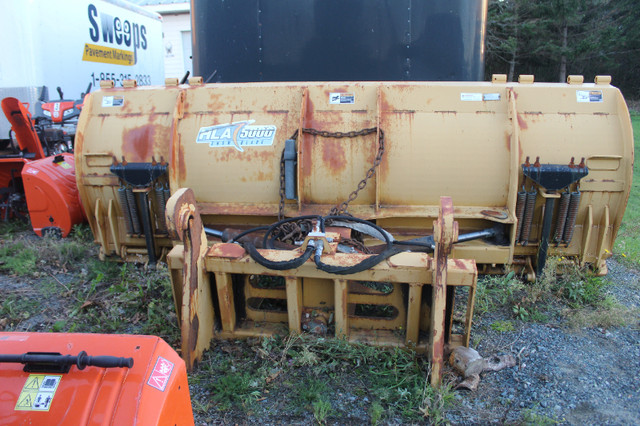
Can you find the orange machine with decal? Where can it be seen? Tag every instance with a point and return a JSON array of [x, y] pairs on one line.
[[81, 379]]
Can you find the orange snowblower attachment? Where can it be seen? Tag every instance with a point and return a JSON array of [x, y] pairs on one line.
[[50, 379], [52, 195]]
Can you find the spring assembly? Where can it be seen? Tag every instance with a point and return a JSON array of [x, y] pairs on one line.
[[571, 217], [167, 193], [529, 208], [133, 211], [562, 217], [521, 201], [160, 206], [124, 204]]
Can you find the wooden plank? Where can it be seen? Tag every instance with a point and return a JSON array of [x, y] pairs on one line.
[[341, 301], [224, 286], [294, 303], [413, 314]]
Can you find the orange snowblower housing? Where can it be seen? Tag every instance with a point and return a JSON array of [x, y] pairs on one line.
[[48, 378], [52, 195], [22, 125]]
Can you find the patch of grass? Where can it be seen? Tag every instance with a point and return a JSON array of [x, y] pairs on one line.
[[18, 258], [613, 316], [561, 283], [313, 377], [503, 326], [627, 244], [321, 409], [531, 418], [16, 308], [235, 387], [376, 412], [436, 402], [12, 227], [496, 291]]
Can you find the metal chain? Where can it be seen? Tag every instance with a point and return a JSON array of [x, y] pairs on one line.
[[340, 208]]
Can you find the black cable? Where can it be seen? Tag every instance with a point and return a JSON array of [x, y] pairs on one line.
[[247, 232], [278, 265]]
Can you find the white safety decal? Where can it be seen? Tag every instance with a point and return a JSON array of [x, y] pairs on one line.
[[161, 373]]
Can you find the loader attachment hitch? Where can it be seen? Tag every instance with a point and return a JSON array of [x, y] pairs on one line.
[[231, 291]]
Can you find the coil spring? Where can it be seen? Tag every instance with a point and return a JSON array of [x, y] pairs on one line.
[[528, 216], [569, 226], [521, 201], [562, 216], [133, 211], [160, 206], [167, 193], [124, 204]]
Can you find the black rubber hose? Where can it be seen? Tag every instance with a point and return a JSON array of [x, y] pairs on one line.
[[247, 232], [367, 263], [278, 265]]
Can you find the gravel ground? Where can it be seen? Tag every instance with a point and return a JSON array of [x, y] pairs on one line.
[[570, 376]]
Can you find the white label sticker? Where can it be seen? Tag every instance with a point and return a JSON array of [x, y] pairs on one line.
[[112, 101], [589, 95], [474, 97], [491, 96], [342, 98]]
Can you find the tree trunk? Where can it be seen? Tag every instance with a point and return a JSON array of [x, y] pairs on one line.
[[563, 57]]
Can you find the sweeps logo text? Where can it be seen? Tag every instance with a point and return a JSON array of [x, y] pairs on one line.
[[238, 135]]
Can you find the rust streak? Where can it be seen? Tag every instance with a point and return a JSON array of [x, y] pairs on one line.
[[138, 143], [522, 123], [333, 155]]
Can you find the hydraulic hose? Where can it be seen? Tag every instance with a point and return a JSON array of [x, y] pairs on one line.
[[278, 265]]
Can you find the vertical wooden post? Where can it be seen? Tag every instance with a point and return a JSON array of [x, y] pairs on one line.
[[445, 233], [294, 303], [341, 304], [224, 286], [413, 314]]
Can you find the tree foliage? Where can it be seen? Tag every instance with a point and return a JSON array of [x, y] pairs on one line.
[[554, 38]]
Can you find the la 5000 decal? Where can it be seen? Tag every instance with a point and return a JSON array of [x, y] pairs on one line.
[[238, 135]]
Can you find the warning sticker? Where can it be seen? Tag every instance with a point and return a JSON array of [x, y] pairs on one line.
[[160, 374], [38, 392], [112, 101], [589, 95], [342, 98], [64, 165]]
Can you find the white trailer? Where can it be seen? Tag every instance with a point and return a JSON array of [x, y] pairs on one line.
[[71, 43]]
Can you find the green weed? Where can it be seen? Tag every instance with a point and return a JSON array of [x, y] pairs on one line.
[[321, 409], [18, 258], [375, 413], [503, 326]]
